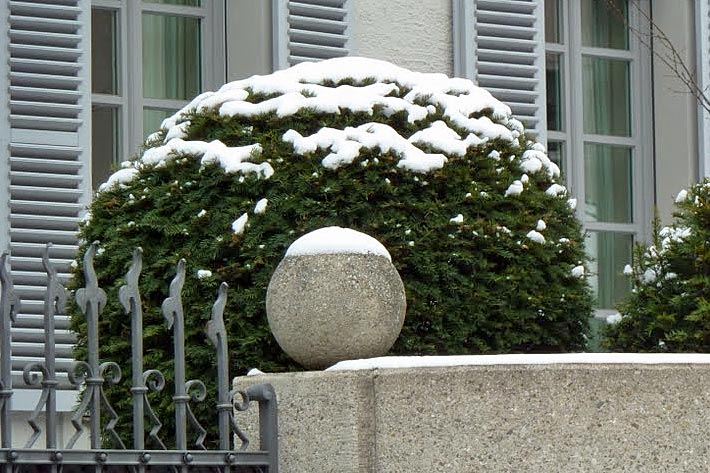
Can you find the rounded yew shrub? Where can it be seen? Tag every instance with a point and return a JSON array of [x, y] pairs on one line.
[[669, 305], [478, 226]]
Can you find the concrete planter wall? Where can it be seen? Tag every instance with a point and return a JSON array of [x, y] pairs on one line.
[[512, 417]]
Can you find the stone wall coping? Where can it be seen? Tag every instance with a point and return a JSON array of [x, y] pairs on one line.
[[564, 413], [392, 362]]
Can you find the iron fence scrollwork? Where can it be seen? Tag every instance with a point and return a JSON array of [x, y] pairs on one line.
[[91, 376]]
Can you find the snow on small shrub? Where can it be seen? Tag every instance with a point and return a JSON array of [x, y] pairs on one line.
[[669, 306], [435, 168]]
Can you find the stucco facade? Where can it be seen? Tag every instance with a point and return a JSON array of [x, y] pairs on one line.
[[675, 109], [413, 34]]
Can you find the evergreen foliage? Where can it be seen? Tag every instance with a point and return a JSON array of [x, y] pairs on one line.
[[477, 287], [668, 309]]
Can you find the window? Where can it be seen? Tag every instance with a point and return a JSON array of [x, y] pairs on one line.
[[597, 90], [149, 58]]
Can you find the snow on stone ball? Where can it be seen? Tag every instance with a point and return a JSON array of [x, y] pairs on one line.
[[335, 296], [336, 240]]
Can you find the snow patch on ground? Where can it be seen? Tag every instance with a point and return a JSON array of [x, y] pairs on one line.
[[336, 240]]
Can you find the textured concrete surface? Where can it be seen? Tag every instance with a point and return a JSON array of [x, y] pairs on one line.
[[544, 418], [416, 34], [332, 307], [324, 421]]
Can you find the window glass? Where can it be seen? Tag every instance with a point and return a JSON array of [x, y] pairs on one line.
[[608, 183], [185, 3], [604, 23], [553, 21], [556, 153], [104, 142], [610, 252], [152, 118], [553, 77], [104, 70], [171, 57], [606, 101]]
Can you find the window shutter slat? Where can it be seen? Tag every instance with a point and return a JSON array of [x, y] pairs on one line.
[[499, 44], [312, 30], [48, 112]]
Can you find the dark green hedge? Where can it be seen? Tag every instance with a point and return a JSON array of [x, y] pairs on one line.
[[479, 287], [669, 307]]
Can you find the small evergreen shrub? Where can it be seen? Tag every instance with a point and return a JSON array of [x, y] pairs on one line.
[[669, 306], [484, 237]]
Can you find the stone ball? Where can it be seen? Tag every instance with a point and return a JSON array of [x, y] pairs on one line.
[[335, 296]]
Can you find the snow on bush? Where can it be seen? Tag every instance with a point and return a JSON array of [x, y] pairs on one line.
[[669, 306], [433, 167]]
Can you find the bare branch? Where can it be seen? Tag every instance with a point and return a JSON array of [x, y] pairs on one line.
[[661, 47]]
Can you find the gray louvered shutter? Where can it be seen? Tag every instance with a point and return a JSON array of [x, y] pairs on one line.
[[46, 157], [500, 45], [311, 30]]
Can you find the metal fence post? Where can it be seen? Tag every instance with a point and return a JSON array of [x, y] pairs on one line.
[[217, 334], [54, 303], [173, 313], [265, 395], [91, 301], [130, 298], [9, 305]]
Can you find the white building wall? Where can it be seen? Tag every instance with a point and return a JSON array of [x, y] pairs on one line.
[[248, 26], [675, 110], [21, 431], [24, 402], [416, 34]]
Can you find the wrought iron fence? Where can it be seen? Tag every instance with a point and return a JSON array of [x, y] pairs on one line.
[[92, 375]]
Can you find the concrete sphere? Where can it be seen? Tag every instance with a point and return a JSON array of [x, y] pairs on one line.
[[325, 308]]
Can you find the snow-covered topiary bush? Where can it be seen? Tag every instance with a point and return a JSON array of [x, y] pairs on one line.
[[669, 306], [477, 223]]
